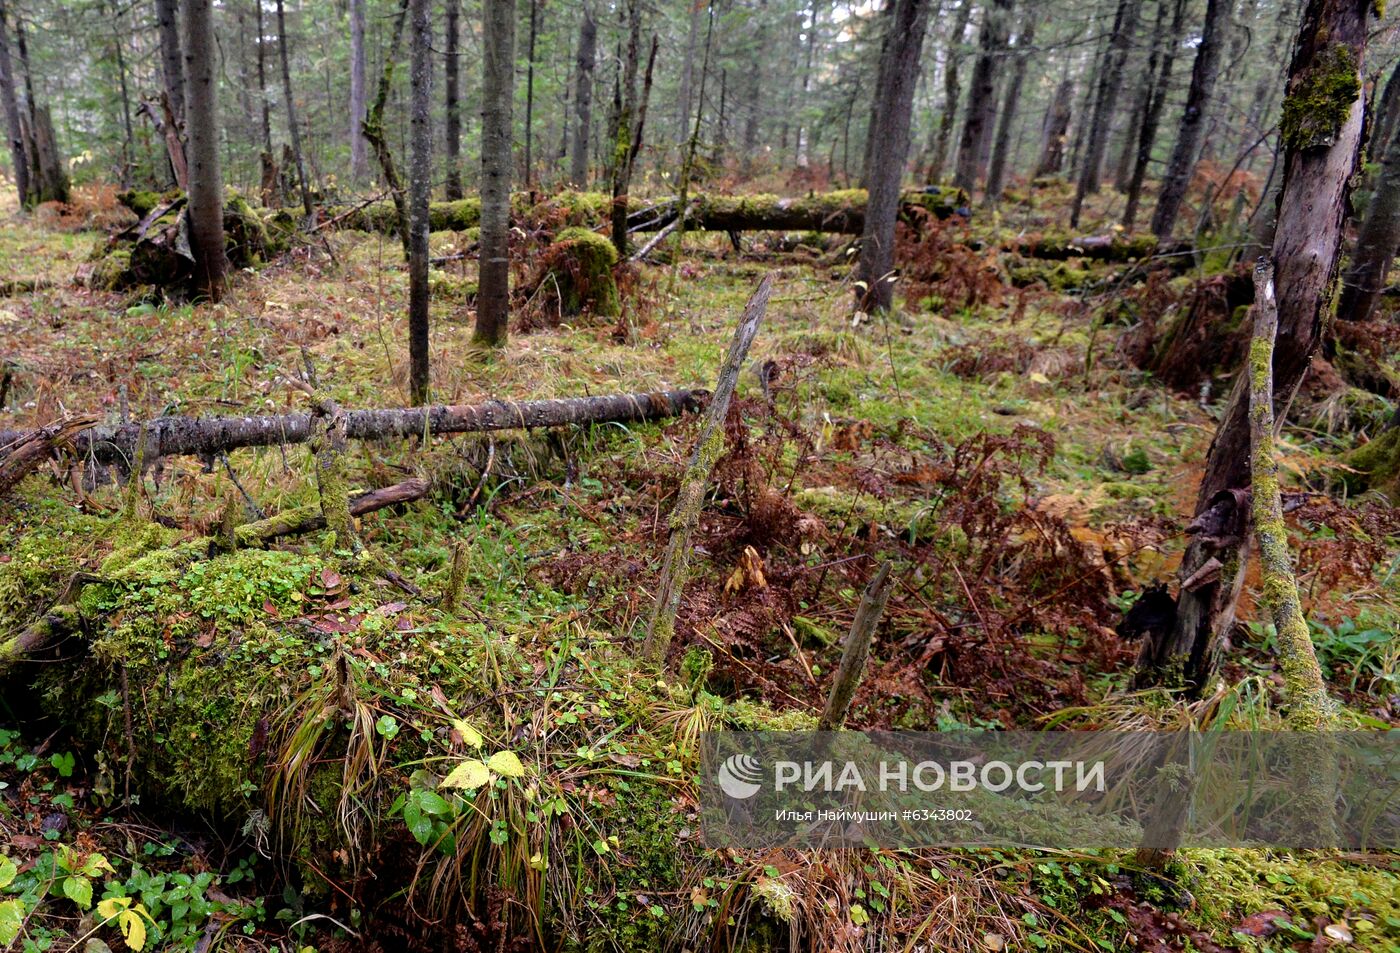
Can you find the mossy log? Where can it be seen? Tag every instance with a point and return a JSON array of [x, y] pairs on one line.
[[156, 252], [207, 436], [1113, 248], [842, 211]]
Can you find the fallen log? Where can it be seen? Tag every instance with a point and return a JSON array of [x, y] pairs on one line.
[[307, 519], [1101, 248], [28, 451], [842, 211], [209, 436]]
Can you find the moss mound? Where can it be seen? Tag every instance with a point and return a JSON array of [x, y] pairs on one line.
[[577, 270]]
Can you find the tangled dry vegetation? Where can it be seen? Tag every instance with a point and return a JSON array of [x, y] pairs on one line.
[[300, 709]]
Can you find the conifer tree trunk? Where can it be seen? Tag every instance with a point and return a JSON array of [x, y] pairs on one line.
[[1105, 101], [1321, 132], [263, 103], [498, 74], [292, 126], [358, 94], [624, 117], [419, 185], [996, 173], [692, 40], [1163, 58], [172, 71], [891, 117], [13, 125], [454, 102], [530, 93], [206, 187], [583, 98], [952, 92], [1188, 141], [981, 96]]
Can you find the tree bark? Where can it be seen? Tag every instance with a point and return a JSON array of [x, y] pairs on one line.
[[374, 130], [624, 112], [498, 84], [1365, 278], [891, 118], [583, 97], [419, 185], [530, 93], [996, 173], [1055, 131], [687, 79], [1322, 139], [263, 104], [210, 436], [856, 649], [171, 60], [359, 163], [1105, 101], [454, 101], [952, 91], [1159, 68], [293, 128], [981, 96], [49, 176], [13, 125], [1183, 159], [206, 192]]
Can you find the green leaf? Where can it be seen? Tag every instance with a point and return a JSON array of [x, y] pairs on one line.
[[470, 735], [11, 921], [387, 726], [8, 871], [506, 764], [858, 915], [469, 775], [432, 803], [419, 824], [79, 890]]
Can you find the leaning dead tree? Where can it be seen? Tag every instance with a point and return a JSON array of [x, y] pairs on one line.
[[675, 567], [210, 436]]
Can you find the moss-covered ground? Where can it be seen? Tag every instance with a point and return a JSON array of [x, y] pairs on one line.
[[255, 743]]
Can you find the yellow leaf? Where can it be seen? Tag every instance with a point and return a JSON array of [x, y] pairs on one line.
[[133, 930], [111, 906], [469, 734], [506, 764], [469, 775]]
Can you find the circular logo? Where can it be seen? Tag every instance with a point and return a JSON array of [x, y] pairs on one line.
[[739, 775]]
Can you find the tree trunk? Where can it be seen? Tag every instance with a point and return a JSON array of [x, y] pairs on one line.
[[498, 85], [1105, 100], [206, 191], [952, 91], [358, 95], [119, 60], [263, 103], [886, 31], [295, 130], [981, 96], [1376, 242], [454, 102], [1321, 130], [49, 176], [996, 173], [624, 112], [1159, 69], [374, 130], [1183, 159], [420, 172], [1055, 130], [172, 71], [692, 40], [891, 118], [13, 126], [210, 436], [530, 93], [1386, 117], [583, 98]]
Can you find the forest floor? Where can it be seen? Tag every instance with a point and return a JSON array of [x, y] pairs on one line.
[[247, 746]]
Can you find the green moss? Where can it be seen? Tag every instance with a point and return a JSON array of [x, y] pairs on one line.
[[1321, 99], [578, 267], [1376, 465]]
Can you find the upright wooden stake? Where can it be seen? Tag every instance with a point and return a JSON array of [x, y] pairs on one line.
[[686, 514], [456, 579], [857, 649]]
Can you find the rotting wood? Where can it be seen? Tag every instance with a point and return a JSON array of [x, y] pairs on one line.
[[308, 519], [26, 454], [209, 436], [689, 499], [857, 649]]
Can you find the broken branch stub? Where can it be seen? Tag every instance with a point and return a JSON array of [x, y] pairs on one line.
[[210, 436], [676, 564], [857, 649]]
